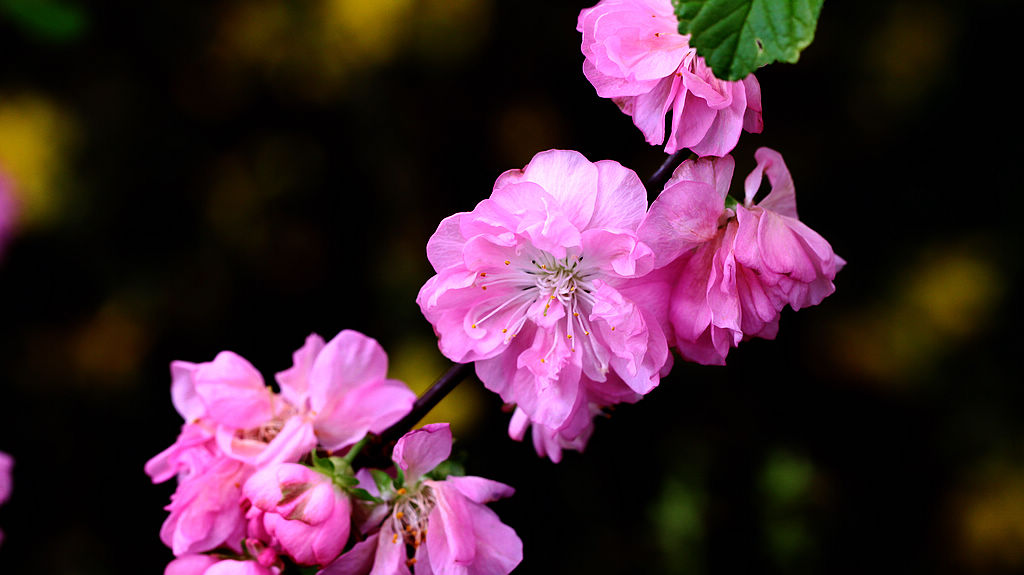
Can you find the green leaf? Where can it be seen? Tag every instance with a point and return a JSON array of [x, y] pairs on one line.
[[736, 37], [322, 464]]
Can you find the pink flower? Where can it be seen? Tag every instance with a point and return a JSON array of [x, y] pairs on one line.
[[306, 516], [335, 394], [737, 267], [636, 56], [538, 285], [445, 523]]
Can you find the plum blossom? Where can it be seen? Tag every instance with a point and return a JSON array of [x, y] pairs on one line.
[[333, 394], [445, 523], [542, 285], [737, 266], [305, 515], [6, 483], [636, 56]]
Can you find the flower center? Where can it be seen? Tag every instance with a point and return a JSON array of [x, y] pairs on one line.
[[564, 281], [409, 517]]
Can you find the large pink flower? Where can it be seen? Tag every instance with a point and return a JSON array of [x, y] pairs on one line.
[[739, 266], [538, 285], [305, 515], [445, 524], [636, 56]]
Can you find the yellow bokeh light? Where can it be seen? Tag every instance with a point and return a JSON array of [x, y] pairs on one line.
[[34, 135]]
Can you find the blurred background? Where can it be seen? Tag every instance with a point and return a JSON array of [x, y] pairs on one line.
[[229, 174]]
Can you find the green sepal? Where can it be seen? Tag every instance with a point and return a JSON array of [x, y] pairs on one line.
[[384, 481], [736, 37], [324, 465], [346, 481], [731, 203], [399, 477]]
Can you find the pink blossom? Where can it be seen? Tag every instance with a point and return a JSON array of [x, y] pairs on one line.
[[539, 286], [737, 267], [335, 393], [305, 515], [445, 524], [636, 56]]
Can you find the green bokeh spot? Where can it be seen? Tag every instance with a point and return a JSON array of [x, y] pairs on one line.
[[47, 20]]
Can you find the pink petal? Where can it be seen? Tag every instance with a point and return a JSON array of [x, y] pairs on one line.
[[373, 407], [444, 249], [567, 176], [233, 391], [294, 381], [450, 537], [391, 555], [683, 217], [356, 561], [348, 361], [782, 198], [621, 198], [190, 565], [421, 450], [479, 489], [183, 391]]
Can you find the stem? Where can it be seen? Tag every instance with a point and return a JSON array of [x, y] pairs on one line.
[[354, 451], [428, 400], [662, 174]]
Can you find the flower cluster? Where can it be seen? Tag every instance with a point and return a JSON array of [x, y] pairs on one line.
[[636, 56], [6, 464], [265, 478], [566, 291]]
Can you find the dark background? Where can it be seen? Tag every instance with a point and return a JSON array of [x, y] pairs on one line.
[[237, 174]]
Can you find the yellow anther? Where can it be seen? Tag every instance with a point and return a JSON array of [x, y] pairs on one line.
[[474, 326], [569, 336], [409, 528], [552, 297], [401, 491], [504, 331], [399, 515], [507, 262], [542, 360], [410, 562], [395, 538], [483, 274], [575, 314], [586, 333], [483, 287], [613, 328]]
